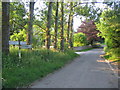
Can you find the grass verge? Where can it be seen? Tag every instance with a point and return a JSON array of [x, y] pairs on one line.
[[85, 50], [112, 59], [33, 65]]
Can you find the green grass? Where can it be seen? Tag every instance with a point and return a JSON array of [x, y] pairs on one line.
[[33, 65], [84, 50], [102, 44], [111, 58]]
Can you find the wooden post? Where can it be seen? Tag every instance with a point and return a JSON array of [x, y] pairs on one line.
[[19, 52]]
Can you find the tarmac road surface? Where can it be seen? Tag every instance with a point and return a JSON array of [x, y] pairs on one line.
[[86, 71]]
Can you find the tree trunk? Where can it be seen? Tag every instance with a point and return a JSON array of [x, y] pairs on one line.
[[56, 26], [71, 34], [0, 28], [62, 28], [47, 42], [71, 25], [68, 31], [30, 24], [5, 27]]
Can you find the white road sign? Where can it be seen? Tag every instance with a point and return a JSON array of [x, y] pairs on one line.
[[26, 46], [17, 43]]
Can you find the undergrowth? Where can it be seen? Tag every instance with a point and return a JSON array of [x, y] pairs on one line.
[[33, 65]]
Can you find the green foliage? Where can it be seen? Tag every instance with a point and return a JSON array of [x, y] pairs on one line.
[[19, 36], [89, 29], [38, 36], [91, 12], [80, 39], [17, 14], [83, 10], [109, 27], [32, 66]]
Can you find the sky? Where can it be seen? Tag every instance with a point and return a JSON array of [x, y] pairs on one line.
[[77, 22]]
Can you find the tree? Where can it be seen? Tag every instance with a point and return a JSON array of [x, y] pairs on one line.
[[5, 27], [38, 36], [30, 24], [89, 28], [62, 27], [71, 26], [70, 21], [68, 30], [56, 25], [17, 20], [47, 42], [90, 12], [110, 30], [0, 28], [71, 34]]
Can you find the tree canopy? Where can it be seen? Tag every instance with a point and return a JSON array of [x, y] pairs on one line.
[[109, 27], [89, 29]]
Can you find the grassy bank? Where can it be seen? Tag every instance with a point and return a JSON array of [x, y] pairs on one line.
[[85, 50], [111, 58], [32, 66]]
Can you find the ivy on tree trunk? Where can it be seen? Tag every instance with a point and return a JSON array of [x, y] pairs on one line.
[[56, 26], [71, 25], [62, 28], [68, 31], [71, 34], [47, 42]]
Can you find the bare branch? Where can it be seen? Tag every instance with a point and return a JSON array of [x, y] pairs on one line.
[[19, 24]]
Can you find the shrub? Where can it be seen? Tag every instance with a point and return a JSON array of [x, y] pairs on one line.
[[80, 39]]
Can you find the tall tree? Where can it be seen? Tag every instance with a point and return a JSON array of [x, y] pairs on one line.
[[1, 44], [30, 24], [68, 30], [47, 42], [0, 28], [71, 33], [71, 25], [62, 28], [5, 27], [56, 26]]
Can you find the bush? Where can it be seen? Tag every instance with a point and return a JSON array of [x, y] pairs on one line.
[[80, 39]]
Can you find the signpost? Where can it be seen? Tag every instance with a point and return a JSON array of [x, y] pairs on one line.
[[26, 46], [21, 44], [17, 43], [19, 50]]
